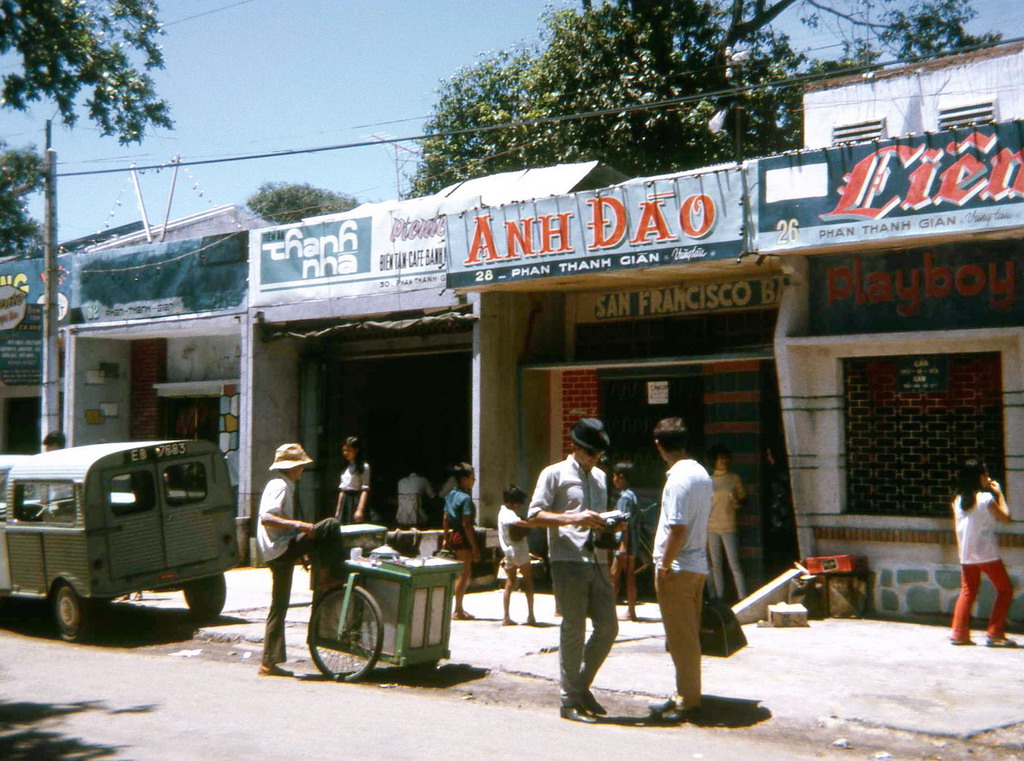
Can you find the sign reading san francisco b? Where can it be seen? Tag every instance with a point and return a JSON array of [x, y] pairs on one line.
[[668, 220], [923, 185]]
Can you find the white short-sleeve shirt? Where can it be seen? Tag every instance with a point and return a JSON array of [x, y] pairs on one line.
[[352, 481], [278, 499], [685, 501], [976, 531]]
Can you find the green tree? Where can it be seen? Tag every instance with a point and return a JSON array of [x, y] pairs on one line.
[[282, 203], [64, 49], [21, 173], [622, 61]]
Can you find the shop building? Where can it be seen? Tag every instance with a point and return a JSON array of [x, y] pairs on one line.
[[900, 344], [631, 303], [352, 331], [153, 347]]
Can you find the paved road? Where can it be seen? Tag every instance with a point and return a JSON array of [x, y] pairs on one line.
[[792, 694], [60, 701]]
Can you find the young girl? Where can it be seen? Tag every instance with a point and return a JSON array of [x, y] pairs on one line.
[[354, 487], [512, 533], [977, 506], [460, 533]]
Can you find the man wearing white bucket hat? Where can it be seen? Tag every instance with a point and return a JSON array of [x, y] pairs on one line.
[[283, 538]]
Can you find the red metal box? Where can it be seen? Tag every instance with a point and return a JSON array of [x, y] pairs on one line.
[[836, 564]]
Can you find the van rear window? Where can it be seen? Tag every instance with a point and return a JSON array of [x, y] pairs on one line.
[[131, 492], [184, 483]]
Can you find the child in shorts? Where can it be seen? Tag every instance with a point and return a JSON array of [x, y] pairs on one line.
[[512, 533], [624, 563]]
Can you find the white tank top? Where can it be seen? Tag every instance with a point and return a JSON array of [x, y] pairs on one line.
[[976, 531]]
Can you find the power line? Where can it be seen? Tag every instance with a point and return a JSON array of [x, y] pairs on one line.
[[784, 82]]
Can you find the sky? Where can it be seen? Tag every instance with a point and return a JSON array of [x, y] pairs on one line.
[[256, 76]]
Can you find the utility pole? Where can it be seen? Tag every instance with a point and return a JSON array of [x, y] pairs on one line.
[[50, 412]]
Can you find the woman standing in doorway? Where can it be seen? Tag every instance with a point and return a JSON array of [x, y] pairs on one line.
[[728, 497], [977, 507], [354, 487]]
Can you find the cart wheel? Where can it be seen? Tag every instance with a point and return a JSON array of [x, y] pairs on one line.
[[347, 649], [206, 597], [74, 615]]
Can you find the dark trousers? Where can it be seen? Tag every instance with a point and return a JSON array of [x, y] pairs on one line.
[[325, 539]]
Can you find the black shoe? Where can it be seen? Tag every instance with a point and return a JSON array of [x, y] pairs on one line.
[[591, 704], [663, 706], [576, 714], [677, 715]]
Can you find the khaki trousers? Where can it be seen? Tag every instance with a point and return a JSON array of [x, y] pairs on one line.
[[680, 596]]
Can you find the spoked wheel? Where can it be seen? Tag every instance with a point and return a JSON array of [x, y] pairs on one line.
[[346, 649]]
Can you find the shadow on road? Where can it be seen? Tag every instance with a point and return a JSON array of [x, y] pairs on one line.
[[425, 676], [724, 713], [123, 625], [26, 734]]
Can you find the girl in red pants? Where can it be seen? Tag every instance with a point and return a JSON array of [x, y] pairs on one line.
[[977, 506]]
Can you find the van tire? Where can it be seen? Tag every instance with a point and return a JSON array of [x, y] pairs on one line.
[[72, 613], [206, 597]]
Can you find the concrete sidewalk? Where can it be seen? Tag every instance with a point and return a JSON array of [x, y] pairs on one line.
[[876, 673]]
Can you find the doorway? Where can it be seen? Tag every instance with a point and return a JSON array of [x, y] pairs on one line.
[[23, 434], [412, 414]]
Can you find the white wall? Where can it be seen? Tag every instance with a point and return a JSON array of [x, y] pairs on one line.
[[910, 98], [203, 358], [88, 391]]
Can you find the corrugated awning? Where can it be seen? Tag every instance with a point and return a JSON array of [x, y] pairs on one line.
[[456, 320]]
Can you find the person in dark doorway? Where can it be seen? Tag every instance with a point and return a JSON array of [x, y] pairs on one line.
[[568, 501], [354, 487], [512, 534], [459, 532], [413, 492], [54, 440], [680, 564], [729, 496], [977, 507], [283, 538], [624, 564]]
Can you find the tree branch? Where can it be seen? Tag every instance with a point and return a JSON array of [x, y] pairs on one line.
[[847, 16]]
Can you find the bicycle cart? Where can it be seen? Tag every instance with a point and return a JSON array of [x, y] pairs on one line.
[[366, 611]]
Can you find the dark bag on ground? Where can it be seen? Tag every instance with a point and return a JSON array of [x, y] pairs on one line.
[[720, 632]]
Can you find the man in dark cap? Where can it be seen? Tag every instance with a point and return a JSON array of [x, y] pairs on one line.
[[568, 501]]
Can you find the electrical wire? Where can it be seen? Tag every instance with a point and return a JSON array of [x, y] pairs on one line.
[[782, 83]]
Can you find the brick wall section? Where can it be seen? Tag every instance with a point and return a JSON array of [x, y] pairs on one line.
[[149, 366], [903, 448], [581, 397]]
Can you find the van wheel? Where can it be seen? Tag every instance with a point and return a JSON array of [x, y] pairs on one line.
[[206, 597], [73, 614]]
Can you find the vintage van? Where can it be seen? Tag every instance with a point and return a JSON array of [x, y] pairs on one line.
[[85, 525]]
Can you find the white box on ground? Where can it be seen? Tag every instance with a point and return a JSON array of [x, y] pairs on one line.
[[787, 614]]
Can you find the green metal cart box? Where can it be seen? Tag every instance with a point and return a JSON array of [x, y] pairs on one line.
[[415, 599]]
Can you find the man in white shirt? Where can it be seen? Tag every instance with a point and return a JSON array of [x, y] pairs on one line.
[[568, 500], [411, 491], [681, 564], [283, 537]]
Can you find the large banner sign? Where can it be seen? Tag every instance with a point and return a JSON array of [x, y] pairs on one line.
[[939, 288], [161, 279], [952, 181], [656, 222], [376, 248], [21, 318]]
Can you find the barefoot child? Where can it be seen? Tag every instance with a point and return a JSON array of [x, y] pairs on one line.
[[460, 532], [512, 533]]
